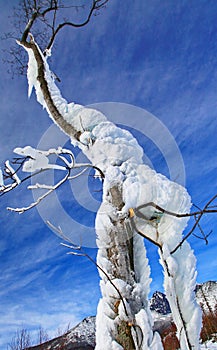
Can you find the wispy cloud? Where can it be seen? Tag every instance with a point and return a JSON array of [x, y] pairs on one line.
[[158, 56]]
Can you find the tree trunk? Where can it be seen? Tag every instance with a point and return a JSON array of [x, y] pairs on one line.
[[123, 319], [117, 323]]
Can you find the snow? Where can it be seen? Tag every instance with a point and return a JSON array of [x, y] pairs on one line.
[[82, 118], [116, 346], [85, 329], [103, 334], [207, 292], [179, 286], [142, 269], [209, 345], [32, 74], [149, 340], [10, 170], [37, 159], [117, 153], [1, 179]]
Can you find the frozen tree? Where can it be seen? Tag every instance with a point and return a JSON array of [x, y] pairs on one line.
[[137, 202]]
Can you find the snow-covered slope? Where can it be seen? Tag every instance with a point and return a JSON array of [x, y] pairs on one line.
[[82, 337], [84, 331], [207, 296]]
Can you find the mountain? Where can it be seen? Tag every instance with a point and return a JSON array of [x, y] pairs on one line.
[[82, 337], [206, 295], [159, 303]]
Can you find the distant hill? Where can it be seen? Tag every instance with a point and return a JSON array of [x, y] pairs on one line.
[[82, 336]]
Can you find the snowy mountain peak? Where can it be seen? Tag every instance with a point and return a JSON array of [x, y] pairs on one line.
[[159, 303], [82, 336], [84, 331]]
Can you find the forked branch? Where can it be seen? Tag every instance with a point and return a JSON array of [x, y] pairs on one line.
[[155, 220], [45, 19], [96, 6]]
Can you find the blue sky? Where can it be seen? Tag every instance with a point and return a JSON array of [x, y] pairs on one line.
[[159, 56]]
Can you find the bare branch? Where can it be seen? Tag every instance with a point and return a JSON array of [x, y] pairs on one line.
[[87, 165], [95, 6], [208, 209], [134, 227], [9, 173], [204, 236], [79, 251], [40, 198], [44, 19], [178, 215], [200, 215]]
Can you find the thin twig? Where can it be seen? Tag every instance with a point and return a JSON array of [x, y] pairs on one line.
[[179, 215], [197, 215], [40, 198], [83, 253], [200, 215]]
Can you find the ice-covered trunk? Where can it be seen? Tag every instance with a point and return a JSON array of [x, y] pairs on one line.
[[179, 265], [115, 316], [123, 317], [179, 284]]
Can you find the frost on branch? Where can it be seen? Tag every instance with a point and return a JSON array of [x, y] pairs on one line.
[[73, 119], [128, 184], [35, 161], [1, 179], [179, 266], [38, 160], [179, 284], [9, 175]]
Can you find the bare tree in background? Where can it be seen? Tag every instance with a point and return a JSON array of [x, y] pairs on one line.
[[23, 339], [20, 341], [42, 335]]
